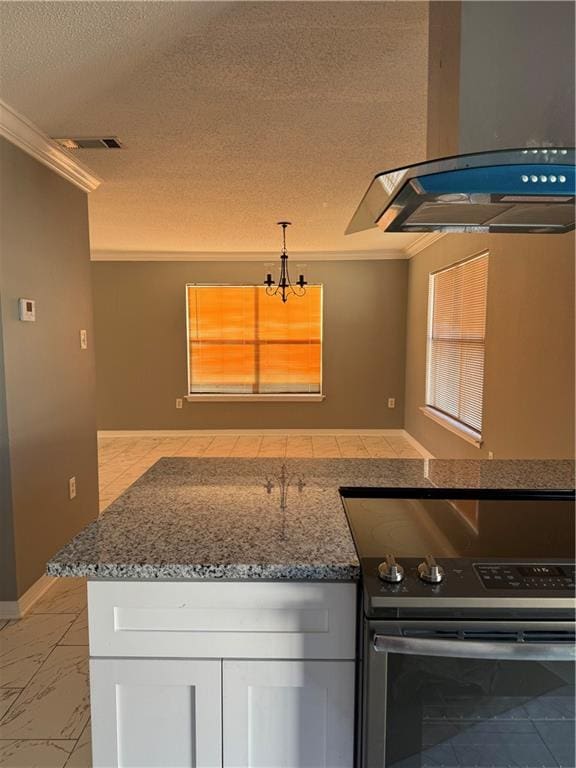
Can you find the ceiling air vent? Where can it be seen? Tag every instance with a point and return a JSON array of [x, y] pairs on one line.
[[107, 142]]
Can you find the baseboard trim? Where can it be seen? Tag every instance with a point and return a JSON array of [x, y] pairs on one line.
[[16, 609], [419, 447], [216, 432]]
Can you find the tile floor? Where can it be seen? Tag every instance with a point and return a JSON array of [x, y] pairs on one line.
[[44, 702], [44, 697]]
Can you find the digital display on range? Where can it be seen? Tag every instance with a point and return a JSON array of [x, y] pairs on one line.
[[515, 576], [535, 571]]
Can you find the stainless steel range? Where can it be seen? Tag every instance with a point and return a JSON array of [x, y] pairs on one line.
[[467, 634]]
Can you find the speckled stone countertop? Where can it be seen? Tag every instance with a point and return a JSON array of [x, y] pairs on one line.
[[201, 518]]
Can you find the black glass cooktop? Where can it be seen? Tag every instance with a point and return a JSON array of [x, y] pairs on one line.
[[505, 528], [451, 548]]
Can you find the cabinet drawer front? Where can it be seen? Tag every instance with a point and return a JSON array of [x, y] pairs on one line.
[[222, 619]]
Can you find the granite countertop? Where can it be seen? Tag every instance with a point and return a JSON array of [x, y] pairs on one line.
[[201, 518]]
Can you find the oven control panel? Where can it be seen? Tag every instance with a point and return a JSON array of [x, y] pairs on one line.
[[525, 576]]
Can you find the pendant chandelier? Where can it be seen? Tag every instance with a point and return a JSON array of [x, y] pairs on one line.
[[284, 287]]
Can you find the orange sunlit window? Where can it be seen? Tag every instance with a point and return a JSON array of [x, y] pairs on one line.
[[242, 341]]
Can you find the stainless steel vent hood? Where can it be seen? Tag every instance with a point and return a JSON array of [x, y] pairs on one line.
[[519, 190], [500, 76]]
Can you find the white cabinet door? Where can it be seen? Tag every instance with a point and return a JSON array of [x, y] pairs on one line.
[[156, 713], [288, 714]]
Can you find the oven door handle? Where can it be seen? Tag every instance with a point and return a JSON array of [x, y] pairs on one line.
[[475, 649]]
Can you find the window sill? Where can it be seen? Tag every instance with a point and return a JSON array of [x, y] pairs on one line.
[[470, 435], [280, 398]]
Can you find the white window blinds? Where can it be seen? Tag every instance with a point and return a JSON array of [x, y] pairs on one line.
[[456, 337]]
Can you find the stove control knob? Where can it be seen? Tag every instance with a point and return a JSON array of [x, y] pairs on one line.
[[390, 571], [430, 571]]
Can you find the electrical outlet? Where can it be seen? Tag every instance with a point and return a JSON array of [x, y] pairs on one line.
[[179, 402], [72, 487], [490, 455], [83, 339], [391, 402]]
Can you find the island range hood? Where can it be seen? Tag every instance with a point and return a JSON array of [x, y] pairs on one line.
[[500, 126], [517, 190]]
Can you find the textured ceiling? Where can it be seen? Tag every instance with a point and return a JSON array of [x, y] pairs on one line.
[[233, 114]]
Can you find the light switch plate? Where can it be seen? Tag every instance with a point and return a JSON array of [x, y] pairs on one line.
[[27, 310], [83, 339]]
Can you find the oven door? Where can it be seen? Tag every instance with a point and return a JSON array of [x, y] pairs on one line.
[[468, 695]]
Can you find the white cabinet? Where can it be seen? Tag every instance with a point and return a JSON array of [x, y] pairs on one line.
[[156, 713], [288, 714], [225, 674]]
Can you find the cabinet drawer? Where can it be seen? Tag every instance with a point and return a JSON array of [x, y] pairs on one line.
[[252, 620]]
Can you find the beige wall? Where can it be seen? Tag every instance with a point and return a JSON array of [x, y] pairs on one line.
[[141, 347], [7, 562], [529, 364], [49, 381]]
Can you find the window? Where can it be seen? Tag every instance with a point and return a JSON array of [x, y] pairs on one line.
[[456, 337], [243, 342]]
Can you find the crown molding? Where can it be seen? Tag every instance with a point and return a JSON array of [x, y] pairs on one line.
[[20, 131], [302, 256], [422, 242]]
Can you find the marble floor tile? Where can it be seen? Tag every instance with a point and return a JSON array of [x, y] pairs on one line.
[[403, 448], [35, 753], [247, 446], [195, 446], [272, 446], [299, 447], [7, 697], [352, 447], [81, 756], [55, 704], [26, 643], [325, 447], [378, 448], [66, 595], [171, 445], [78, 632], [221, 446]]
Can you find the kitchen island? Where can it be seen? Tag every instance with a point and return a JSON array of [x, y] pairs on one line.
[[222, 606]]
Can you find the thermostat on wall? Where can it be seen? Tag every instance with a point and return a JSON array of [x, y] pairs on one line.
[[27, 310]]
